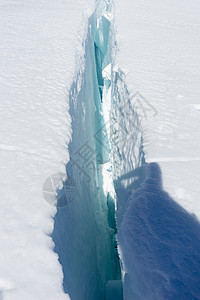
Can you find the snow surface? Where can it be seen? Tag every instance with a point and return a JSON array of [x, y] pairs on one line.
[[39, 41], [158, 52], [146, 88], [160, 56]]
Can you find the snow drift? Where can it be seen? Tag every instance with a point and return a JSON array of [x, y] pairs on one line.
[[160, 244]]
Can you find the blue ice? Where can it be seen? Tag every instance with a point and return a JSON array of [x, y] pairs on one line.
[[84, 232]]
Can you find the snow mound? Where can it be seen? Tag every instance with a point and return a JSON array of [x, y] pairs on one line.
[[160, 244]]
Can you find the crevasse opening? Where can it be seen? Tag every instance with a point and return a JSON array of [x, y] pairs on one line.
[[85, 224]]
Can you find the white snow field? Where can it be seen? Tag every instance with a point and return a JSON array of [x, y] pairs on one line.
[[39, 41], [160, 56], [105, 96]]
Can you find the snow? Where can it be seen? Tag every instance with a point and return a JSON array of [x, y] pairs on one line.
[[160, 244], [161, 58], [68, 86], [39, 41], [158, 52]]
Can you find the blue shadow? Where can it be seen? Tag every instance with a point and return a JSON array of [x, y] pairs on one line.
[[160, 244]]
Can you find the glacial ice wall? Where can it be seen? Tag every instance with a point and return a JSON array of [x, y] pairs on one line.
[[84, 230]]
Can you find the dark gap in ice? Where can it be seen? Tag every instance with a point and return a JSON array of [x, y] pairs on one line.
[[98, 62]]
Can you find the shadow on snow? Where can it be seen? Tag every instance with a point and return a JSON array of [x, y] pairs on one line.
[[160, 242]]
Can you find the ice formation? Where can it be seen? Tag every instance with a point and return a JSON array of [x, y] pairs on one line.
[[85, 227]]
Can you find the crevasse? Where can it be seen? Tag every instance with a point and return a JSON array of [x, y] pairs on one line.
[[107, 147], [85, 225]]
